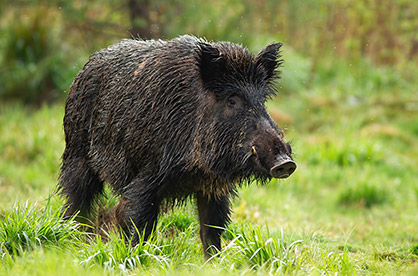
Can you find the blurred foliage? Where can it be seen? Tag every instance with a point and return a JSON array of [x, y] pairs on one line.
[[35, 64], [45, 42]]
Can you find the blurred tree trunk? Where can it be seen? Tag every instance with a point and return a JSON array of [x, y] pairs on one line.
[[140, 16]]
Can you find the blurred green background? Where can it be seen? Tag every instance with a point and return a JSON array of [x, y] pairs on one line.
[[44, 43], [348, 101]]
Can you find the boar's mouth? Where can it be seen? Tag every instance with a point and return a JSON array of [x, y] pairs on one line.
[[283, 168]]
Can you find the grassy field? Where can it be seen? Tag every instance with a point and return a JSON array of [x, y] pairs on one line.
[[351, 208]]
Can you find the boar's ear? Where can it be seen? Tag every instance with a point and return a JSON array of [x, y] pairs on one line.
[[268, 61], [211, 62]]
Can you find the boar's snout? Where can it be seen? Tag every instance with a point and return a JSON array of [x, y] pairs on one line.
[[272, 155], [283, 168]]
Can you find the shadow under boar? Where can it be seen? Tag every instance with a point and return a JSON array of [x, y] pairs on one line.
[[161, 121]]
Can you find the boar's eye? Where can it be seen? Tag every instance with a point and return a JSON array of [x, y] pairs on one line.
[[233, 101]]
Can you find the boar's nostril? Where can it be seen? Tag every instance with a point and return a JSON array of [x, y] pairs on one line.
[[283, 169]]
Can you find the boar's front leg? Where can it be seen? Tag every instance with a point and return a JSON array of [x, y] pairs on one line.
[[140, 205], [214, 215]]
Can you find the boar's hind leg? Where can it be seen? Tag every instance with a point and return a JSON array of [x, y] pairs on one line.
[[139, 205], [79, 184], [213, 218]]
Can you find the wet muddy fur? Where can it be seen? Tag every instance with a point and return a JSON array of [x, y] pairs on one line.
[[161, 121]]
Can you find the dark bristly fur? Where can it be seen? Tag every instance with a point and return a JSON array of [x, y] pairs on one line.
[[164, 120]]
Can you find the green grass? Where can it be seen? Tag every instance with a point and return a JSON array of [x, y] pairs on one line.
[[351, 208], [25, 227], [31, 144]]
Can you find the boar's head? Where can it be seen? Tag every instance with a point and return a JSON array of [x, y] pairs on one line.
[[238, 139]]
